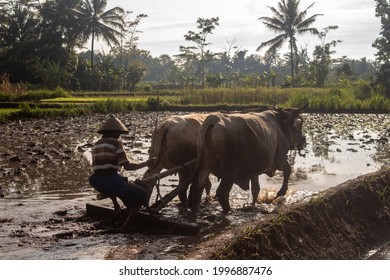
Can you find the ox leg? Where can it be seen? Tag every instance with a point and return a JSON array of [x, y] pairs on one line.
[[207, 187], [255, 189], [223, 192], [196, 190], [150, 172], [184, 181], [286, 176]]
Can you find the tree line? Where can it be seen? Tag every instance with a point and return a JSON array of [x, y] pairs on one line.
[[41, 44]]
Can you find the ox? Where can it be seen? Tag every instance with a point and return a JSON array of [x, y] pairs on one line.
[[173, 144], [237, 148]]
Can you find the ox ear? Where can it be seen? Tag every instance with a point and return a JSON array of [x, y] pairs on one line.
[[290, 114]]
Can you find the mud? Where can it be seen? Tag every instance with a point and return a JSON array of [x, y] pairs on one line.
[[44, 169], [340, 223]]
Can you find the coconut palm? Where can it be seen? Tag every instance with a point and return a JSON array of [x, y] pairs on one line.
[[100, 24], [59, 17], [18, 25], [289, 21]]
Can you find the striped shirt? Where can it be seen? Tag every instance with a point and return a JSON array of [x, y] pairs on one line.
[[108, 153]]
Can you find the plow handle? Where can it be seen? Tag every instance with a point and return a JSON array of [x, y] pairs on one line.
[[154, 178]]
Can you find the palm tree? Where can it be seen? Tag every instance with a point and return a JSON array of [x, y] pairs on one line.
[[60, 17], [100, 24], [288, 21], [20, 25]]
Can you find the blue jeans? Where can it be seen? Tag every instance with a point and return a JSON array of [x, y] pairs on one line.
[[117, 185]]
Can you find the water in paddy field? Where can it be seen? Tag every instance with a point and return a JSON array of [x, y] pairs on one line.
[[45, 164]]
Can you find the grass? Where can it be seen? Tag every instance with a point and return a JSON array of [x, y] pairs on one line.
[[235, 96], [105, 105], [6, 112], [91, 99], [358, 97], [319, 98], [335, 99]]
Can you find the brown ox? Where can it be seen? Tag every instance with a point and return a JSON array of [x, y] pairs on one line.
[[238, 147], [173, 144]]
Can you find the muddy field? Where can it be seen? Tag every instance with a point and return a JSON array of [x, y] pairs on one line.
[[45, 164]]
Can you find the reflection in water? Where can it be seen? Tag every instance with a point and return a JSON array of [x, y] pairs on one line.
[[341, 147]]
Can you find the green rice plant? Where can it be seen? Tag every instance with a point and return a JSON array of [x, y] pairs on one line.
[[111, 106], [118, 105], [27, 110], [338, 99], [153, 103], [377, 101], [6, 112], [89, 99], [35, 95], [238, 96]]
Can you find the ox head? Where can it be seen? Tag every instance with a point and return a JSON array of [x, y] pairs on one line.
[[292, 125]]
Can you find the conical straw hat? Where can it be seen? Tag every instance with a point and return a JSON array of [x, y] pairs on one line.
[[113, 125]]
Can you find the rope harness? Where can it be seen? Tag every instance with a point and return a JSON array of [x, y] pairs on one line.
[[158, 195]]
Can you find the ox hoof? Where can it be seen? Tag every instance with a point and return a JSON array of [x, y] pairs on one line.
[[183, 204], [222, 223], [281, 193], [192, 217], [227, 211], [194, 211], [279, 200]]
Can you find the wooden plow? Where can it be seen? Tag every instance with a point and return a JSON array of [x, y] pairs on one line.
[[150, 182], [161, 202]]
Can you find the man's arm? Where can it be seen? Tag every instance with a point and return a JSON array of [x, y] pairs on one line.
[[134, 166]]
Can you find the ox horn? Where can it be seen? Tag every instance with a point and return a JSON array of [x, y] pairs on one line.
[[300, 109]]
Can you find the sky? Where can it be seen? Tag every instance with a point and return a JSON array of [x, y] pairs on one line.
[[169, 20]]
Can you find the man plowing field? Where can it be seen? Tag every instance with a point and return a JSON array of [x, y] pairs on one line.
[[108, 157]]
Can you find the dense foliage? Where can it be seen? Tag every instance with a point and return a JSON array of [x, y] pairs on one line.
[[38, 44], [41, 41], [382, 43]]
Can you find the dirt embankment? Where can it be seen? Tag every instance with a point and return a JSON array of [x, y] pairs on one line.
[[343, 222]]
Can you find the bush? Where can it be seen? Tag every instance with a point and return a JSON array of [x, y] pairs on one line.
[[10, 91], [5, 96]]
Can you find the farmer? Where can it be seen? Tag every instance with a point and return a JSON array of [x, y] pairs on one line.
[[108, 157]]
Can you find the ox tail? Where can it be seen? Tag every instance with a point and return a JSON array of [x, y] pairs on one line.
[[159, 139], [202, 172], [204, 138]]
